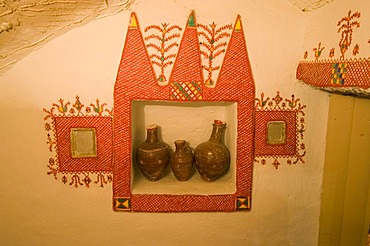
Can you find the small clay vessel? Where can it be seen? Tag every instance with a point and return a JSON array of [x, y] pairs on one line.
[[212, 158], [181, 161], [152, 155]]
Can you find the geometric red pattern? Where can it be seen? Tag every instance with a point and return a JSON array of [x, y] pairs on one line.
[[343, 75], [186, 76], [172, 203], [103, 127], [290, 111], [320, 73], [262, 148], [182, 203], [136, 80], [81, 171]]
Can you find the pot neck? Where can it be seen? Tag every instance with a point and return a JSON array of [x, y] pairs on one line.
[[180, 144], [218, 132], [152, 134]]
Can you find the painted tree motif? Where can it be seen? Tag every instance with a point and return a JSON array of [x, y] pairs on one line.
[[318, 51], [212, 47], [346, 26], [161, 58]]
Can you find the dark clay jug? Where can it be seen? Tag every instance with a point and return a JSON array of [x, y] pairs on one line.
[[153, 155], [212, 158], [181, 161]]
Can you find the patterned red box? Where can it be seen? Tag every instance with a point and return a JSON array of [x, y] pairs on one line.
[[262, 148], [104, 136]]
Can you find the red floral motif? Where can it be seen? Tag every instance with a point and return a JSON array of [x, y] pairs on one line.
[[290, 111], [318, 51], [161, 58], [78, 105], [276, 163], [346, 26], [338, 73], [356, 50], [331, 53], [305, 55], [261, 102], [87, 181], [47, 127], [59, 119], [212, 47]]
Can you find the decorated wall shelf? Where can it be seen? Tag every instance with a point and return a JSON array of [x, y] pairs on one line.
[[343, 75], [349, 76], [136, 81], [196, 118], [93, 144]]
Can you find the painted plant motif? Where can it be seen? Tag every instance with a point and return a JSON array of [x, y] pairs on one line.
[[346, 26], [356, 50], [161, 57], [331, 52], [305, 55], [278, 110], [343, 74], [213, 46], [75, 115], [318, 51]]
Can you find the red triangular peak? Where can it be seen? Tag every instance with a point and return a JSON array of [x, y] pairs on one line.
[[133, 21], [135, 68], [236, 70], [187, 66]]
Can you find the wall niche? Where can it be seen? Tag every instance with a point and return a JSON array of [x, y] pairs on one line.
[[191, 104], [190, 121]]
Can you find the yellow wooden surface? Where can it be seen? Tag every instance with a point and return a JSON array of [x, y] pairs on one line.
[[344, 219], [356, 201]]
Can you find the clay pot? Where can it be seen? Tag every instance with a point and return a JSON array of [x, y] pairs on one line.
[[153, 155], [181, 161], [212, 158]]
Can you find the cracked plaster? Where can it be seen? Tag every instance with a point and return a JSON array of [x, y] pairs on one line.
[[27, 24]]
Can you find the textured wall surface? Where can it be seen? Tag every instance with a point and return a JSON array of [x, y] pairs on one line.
[[28, 24], [326, 34], [37, 210]]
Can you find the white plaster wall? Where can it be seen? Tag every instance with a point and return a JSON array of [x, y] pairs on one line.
[[37, 210], [322, 27]]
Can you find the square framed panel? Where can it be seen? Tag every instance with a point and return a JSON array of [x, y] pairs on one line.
[[279, 130], [84, 143], [270, 128]]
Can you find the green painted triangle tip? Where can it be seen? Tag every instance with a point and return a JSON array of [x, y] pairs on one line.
[[191, 20]]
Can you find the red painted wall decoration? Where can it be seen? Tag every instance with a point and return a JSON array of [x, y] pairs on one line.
[[345, 73], [82, 170], [84, 139], [289, 113], [136, 80]]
